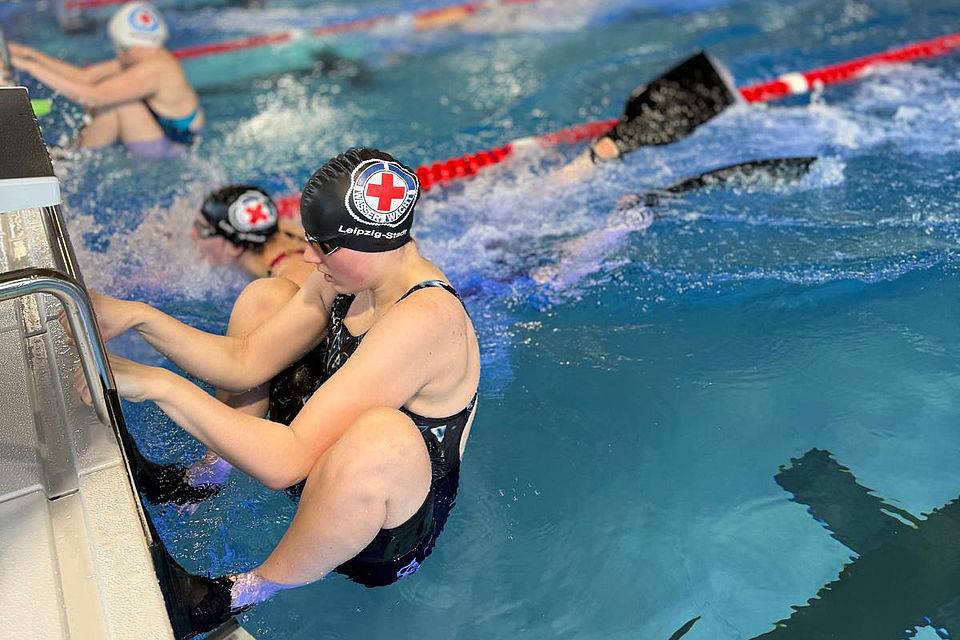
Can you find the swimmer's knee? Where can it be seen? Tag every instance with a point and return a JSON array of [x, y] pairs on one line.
[[382, 438], [385, 427], [265, 294]]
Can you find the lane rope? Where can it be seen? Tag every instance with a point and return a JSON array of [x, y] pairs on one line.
[[348, 26], [785, 85]]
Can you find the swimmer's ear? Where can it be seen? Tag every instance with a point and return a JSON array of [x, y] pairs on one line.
[[234, 250], [673, 105]]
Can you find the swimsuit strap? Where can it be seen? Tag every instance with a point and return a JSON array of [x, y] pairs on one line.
[[280, 258], [435, 283]]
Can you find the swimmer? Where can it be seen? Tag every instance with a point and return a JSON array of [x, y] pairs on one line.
[[667, 109], [239, 225], [236, 225], [380, 430], [140, 99]]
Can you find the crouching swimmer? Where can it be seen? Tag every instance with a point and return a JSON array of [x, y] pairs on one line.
[[380, 438], [141, 98]]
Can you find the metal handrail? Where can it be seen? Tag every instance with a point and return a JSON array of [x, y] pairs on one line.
[[76, 303]]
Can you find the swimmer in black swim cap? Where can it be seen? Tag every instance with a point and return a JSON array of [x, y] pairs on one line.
[[241, 225], [361, 200], [236, 225], [378, 433]]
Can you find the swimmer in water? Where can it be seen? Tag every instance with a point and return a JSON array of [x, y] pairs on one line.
[[391, 366], [239, 225], [668, 108], [140, 99]]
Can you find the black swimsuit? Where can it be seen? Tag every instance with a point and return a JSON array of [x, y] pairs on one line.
[[397, 552]]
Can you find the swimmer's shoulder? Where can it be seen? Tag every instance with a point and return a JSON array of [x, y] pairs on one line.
[[430, 313]]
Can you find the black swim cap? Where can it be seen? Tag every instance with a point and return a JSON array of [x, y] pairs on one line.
[[362, 200], [243, 214]]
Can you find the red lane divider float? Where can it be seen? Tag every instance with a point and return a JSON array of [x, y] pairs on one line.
[[91, 4], [801, 82], [348, 26], [785, 85]]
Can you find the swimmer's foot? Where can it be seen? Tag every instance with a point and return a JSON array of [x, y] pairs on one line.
[[670, 107], [196, 604], [210, 469]]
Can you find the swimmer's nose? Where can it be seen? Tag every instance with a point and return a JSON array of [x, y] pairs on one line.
[[311, 255]]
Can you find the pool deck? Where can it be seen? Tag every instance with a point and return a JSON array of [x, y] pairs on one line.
[[74, 555]]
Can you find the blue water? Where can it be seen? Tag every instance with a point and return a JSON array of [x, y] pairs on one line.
[[644, 379]]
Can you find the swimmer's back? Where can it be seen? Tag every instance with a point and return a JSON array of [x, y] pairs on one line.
[[174, 98]]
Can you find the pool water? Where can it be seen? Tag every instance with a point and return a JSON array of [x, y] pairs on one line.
[[645, 378]]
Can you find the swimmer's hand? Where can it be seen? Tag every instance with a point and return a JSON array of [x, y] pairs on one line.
[[113, 316], [22, 51], [22, 57], [135, 382]]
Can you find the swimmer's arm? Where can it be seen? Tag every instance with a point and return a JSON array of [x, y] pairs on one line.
[[101, 70], [137, 82], [383, 373], [237, 364], [257, 446], [91, 73]]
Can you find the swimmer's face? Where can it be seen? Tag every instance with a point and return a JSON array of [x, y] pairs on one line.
[[347, 270], [213, 248], [123, 56], [127, 56]]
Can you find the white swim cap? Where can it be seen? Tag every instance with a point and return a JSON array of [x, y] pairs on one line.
[[137, 24]]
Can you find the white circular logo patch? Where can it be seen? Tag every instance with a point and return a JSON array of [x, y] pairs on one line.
[[252, 212], [381, 193], [144, 20]]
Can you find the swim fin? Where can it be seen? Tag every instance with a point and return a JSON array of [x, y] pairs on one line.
[[195, 604], [741, 174], [672, 106]]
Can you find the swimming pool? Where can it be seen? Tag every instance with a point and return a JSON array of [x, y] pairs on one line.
[[639, 396]]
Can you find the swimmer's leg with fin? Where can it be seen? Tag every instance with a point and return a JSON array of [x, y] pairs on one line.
[[786, 169], [670, 107], [195, 604], [168, 483]]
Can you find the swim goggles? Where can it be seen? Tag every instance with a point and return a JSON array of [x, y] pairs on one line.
[[325, 247], [204, 231]]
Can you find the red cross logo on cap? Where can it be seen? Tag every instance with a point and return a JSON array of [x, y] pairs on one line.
[[144, 18], [384, 193], [255, 213]]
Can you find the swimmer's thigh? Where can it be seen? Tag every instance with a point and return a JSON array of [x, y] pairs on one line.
[[376, 476], [136, 123], [102, 130]]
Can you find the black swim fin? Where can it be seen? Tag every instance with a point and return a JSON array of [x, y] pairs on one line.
[[741, 174], [168, 484], [682, 631], [158, 483], [195, 604], [672, 106]]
